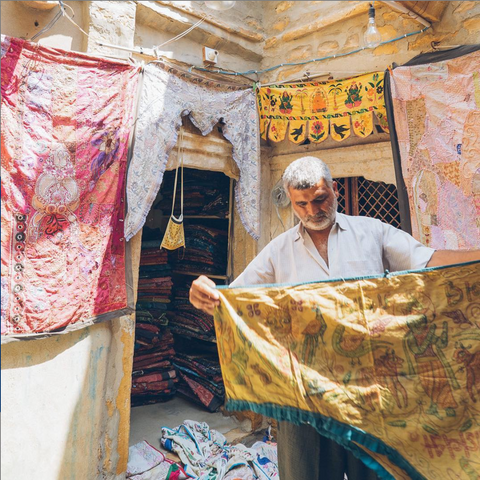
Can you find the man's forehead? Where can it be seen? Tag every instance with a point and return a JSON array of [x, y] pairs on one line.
[[320, 187]]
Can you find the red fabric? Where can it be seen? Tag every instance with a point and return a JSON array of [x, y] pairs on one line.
[[66, 119]]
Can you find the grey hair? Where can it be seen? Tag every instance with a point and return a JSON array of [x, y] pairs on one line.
[[306, 172]]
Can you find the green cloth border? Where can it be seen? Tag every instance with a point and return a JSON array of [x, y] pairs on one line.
[[387, 274], [340, 432]]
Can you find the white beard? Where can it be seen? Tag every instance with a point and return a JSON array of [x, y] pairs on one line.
[[321, 223]]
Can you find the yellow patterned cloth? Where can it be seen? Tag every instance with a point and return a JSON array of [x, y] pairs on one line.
[[318, 109], [388, 366]]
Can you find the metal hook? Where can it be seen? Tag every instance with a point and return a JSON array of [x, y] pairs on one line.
[[52, 22]]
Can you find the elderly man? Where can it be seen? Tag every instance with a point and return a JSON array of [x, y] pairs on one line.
[[325, 244]]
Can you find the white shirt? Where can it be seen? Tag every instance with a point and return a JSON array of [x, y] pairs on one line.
[[357, 247]]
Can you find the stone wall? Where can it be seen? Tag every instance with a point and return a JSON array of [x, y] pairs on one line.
[[299, 31]]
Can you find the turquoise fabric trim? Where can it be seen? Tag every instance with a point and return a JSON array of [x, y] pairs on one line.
[[387, 274], [339, 432]]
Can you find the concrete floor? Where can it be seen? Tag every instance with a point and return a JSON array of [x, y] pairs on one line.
[[146, 422]]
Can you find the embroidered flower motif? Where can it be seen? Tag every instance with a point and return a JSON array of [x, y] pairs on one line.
[[318, 131], [360, 127]]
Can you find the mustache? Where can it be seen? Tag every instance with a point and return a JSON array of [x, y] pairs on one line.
[[319, 216]]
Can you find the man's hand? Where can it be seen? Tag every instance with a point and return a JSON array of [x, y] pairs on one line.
[[203, 294]]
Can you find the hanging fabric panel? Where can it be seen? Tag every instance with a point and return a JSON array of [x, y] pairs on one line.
[[383, 365], [436, 111], [168, 94], [309, 108], [66, 119]]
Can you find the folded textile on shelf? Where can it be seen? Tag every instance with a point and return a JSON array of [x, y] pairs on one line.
[[152, 271], [200, 379], [147, 307], [154, 377], [205, 250], [203, 365], [152, 338], [144, 387], [145, 376], [200, 197], [186, 319]]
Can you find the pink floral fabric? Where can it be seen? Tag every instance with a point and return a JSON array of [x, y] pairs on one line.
[[437, 120], [66, 120]]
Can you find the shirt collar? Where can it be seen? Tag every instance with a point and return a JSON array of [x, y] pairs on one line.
[[340, 220]]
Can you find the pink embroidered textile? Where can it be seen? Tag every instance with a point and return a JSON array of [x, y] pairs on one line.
[[437, 120], [66, 119]]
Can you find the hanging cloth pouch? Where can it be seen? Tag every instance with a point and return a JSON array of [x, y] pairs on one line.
[[174, 234]]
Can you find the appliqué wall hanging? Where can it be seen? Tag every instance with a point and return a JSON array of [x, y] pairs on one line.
[[316, 110]]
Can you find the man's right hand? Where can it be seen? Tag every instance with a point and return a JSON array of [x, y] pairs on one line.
[[203, 294]]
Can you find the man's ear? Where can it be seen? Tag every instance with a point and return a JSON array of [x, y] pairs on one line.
[[335, 188]]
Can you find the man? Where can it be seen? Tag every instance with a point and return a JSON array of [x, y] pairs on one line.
[[325, 244]]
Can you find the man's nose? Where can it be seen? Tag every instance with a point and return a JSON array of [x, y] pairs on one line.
[[312, 210]]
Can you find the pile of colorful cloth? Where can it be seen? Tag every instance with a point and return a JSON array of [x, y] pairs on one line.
[[203, 194], [154, 377], [206, 455], [200, 379], [185, 319], [147, 463], [206, 251]]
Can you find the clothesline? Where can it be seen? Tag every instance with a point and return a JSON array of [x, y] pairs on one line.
[[255, 84]]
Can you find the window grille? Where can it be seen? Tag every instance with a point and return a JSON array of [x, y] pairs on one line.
[[342, 184], [359, 196]]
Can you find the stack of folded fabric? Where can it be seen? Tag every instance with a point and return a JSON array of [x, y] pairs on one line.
[[203, 194], [154, 284], [155, 281], [154, 377], [200, 379], [185, 319], [205, 252]]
